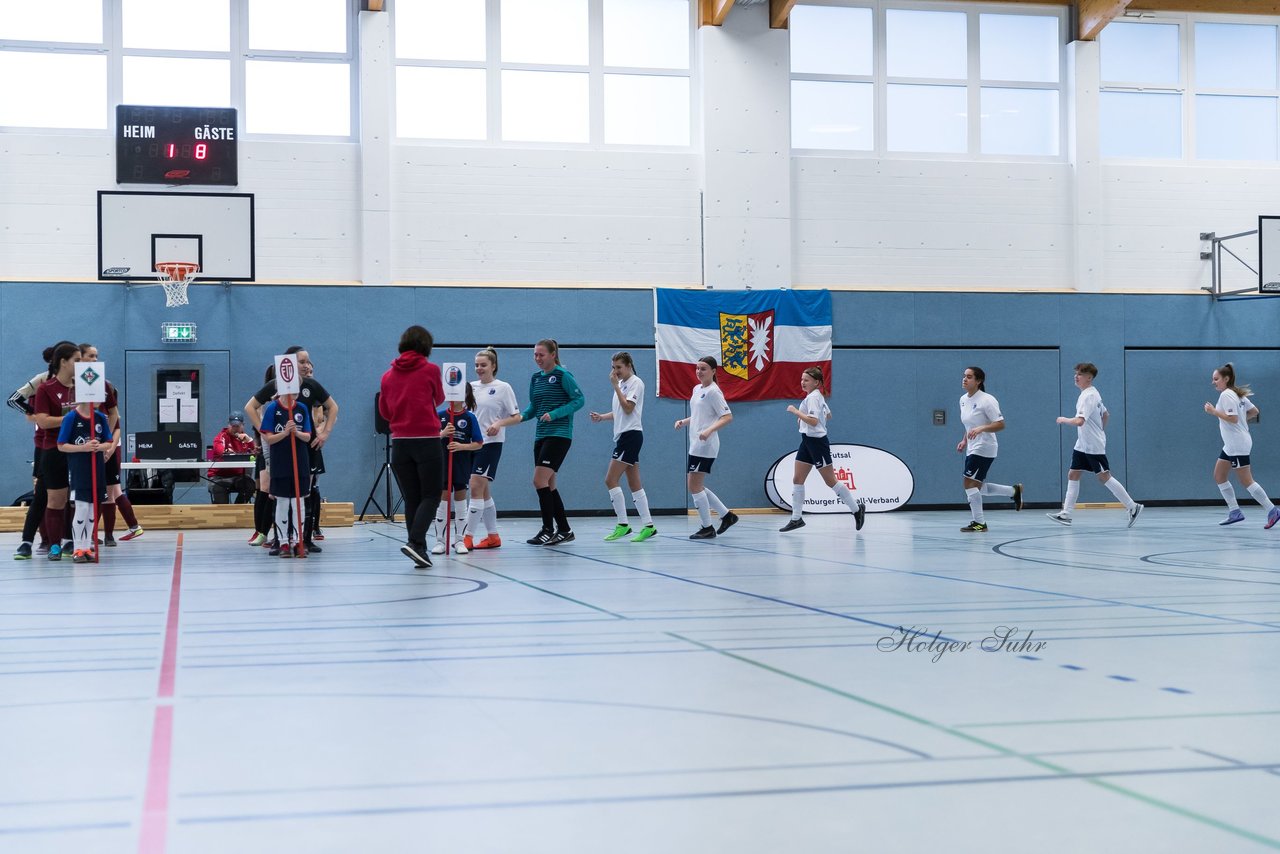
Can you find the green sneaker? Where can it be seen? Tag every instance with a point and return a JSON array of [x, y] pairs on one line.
[[645, 533], [619, 531]]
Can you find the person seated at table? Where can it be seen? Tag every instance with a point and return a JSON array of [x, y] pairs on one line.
[[232, 439]]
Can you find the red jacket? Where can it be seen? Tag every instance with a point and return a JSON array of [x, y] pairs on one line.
[[412, 391], [227, 443]]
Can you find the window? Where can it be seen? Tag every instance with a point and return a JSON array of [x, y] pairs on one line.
[[1219, 91], [563, 72], [968, 82], [198, 53]]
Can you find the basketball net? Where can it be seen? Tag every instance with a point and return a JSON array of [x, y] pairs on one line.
[[175, 276]]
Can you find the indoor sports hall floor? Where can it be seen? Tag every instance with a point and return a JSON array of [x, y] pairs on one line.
[[191, 694]]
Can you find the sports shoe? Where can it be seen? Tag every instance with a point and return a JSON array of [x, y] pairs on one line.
[[274, 551], [860, 516], [541, 538], [492, 541], [791, 525], [1061, 517], [286, 550], [727, 521], [438, 548], [619, 531], [55, 552], [300, 551], [645, 533], [109, 541], [466, 541], [1234, 516], [23, 552], [80, 556], [312, 547], [707, 533], [1273, 516], [132, 535], [1137, 508], [975, 528], [1017, 496], [43, 549], [417, 554], [561, 537], [317, 534], [460, 547]]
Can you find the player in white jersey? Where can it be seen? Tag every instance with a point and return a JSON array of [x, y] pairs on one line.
[[1233, 412], [980, 414], [495, 400], [1090, 452], [626, 412], [708, 414], [815, 451]]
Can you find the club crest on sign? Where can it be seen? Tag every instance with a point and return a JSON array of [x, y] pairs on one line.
[[286, 370], [90, 376], [746, 343]]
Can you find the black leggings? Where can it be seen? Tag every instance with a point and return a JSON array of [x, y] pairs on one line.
[[418, 465], [39, 501]]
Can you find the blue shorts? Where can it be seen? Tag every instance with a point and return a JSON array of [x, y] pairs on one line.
[[485, 462], [814, 450], [463, 465], [1096, 463], [626, 449], [976, 467], [700, 464], [1237, 462]]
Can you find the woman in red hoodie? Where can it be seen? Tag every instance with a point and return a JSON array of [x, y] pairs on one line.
[[412, 391]]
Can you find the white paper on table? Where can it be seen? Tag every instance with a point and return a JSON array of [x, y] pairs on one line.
[[173, 389], [168, 410], [188, 410]]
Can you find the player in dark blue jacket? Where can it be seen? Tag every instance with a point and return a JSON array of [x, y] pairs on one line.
[[84, 441], [460, 437], [286, 423]]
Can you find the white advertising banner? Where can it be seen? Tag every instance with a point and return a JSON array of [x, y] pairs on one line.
[[288, 378], [878, 477], [91, 382], [455, 380]]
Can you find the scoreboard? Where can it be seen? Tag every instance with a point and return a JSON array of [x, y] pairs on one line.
[[176, 145]]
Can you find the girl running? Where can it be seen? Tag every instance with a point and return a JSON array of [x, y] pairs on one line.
[[495, 400], [1233, 412], [553, 398], [980, 414], [815, 450], [708, 414], [460, 435], [627, 406]]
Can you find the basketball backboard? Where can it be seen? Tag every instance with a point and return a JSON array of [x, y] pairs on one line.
[[138, 229]]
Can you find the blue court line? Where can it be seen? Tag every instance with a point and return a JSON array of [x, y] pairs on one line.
[[64, 828], [662, 772], [105, 799], [1227, 759], [351, 604], [1094, 777], [75, 670]]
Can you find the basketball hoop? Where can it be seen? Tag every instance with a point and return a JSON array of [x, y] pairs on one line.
[[175, 276]]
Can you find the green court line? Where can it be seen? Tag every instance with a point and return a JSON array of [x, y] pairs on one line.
[[1117, 720], [1006, 751]]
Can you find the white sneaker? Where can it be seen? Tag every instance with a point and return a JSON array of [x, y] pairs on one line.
[[438, 548], [1062, 517], [460, 548], [1133, 514]]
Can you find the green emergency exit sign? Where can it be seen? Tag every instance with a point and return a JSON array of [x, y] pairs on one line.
[[178, 333]]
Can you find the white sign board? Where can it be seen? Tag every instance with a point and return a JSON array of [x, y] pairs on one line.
[[879, 478], [288, 378], [188, 410], [455, 380], [91, 382], [177, 389], [1269, 254], [168, 410]]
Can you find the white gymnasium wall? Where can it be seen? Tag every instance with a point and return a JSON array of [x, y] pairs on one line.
[[917, 223], [525, 215]]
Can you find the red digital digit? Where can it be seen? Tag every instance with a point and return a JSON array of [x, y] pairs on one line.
[[202, 151], [171, 149]]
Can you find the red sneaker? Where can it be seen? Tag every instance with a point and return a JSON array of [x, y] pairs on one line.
[[492, 541]]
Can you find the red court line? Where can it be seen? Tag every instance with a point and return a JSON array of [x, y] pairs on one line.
[[155, 804], [168, 665]]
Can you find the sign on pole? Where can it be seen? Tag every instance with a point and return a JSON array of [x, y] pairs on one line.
[[91, 382], [455, 381], [288, 379]]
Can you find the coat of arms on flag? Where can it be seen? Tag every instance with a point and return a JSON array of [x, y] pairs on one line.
[[762, 340]]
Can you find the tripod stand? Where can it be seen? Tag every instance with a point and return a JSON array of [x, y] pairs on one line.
[[389, 513]]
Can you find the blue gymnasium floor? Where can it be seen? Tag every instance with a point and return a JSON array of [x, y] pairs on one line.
[[672, 696]]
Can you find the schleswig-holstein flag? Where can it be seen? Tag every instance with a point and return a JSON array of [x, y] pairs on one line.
[[763, 340]]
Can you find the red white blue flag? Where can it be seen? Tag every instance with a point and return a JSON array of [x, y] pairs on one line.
[[763, 340]]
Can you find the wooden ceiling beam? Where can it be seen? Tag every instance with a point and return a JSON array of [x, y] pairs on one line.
[[779, 11], [1222, 7], [711, 13], [1093, 15]]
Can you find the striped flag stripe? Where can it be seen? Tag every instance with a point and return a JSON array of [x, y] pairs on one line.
[[791, 343]]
